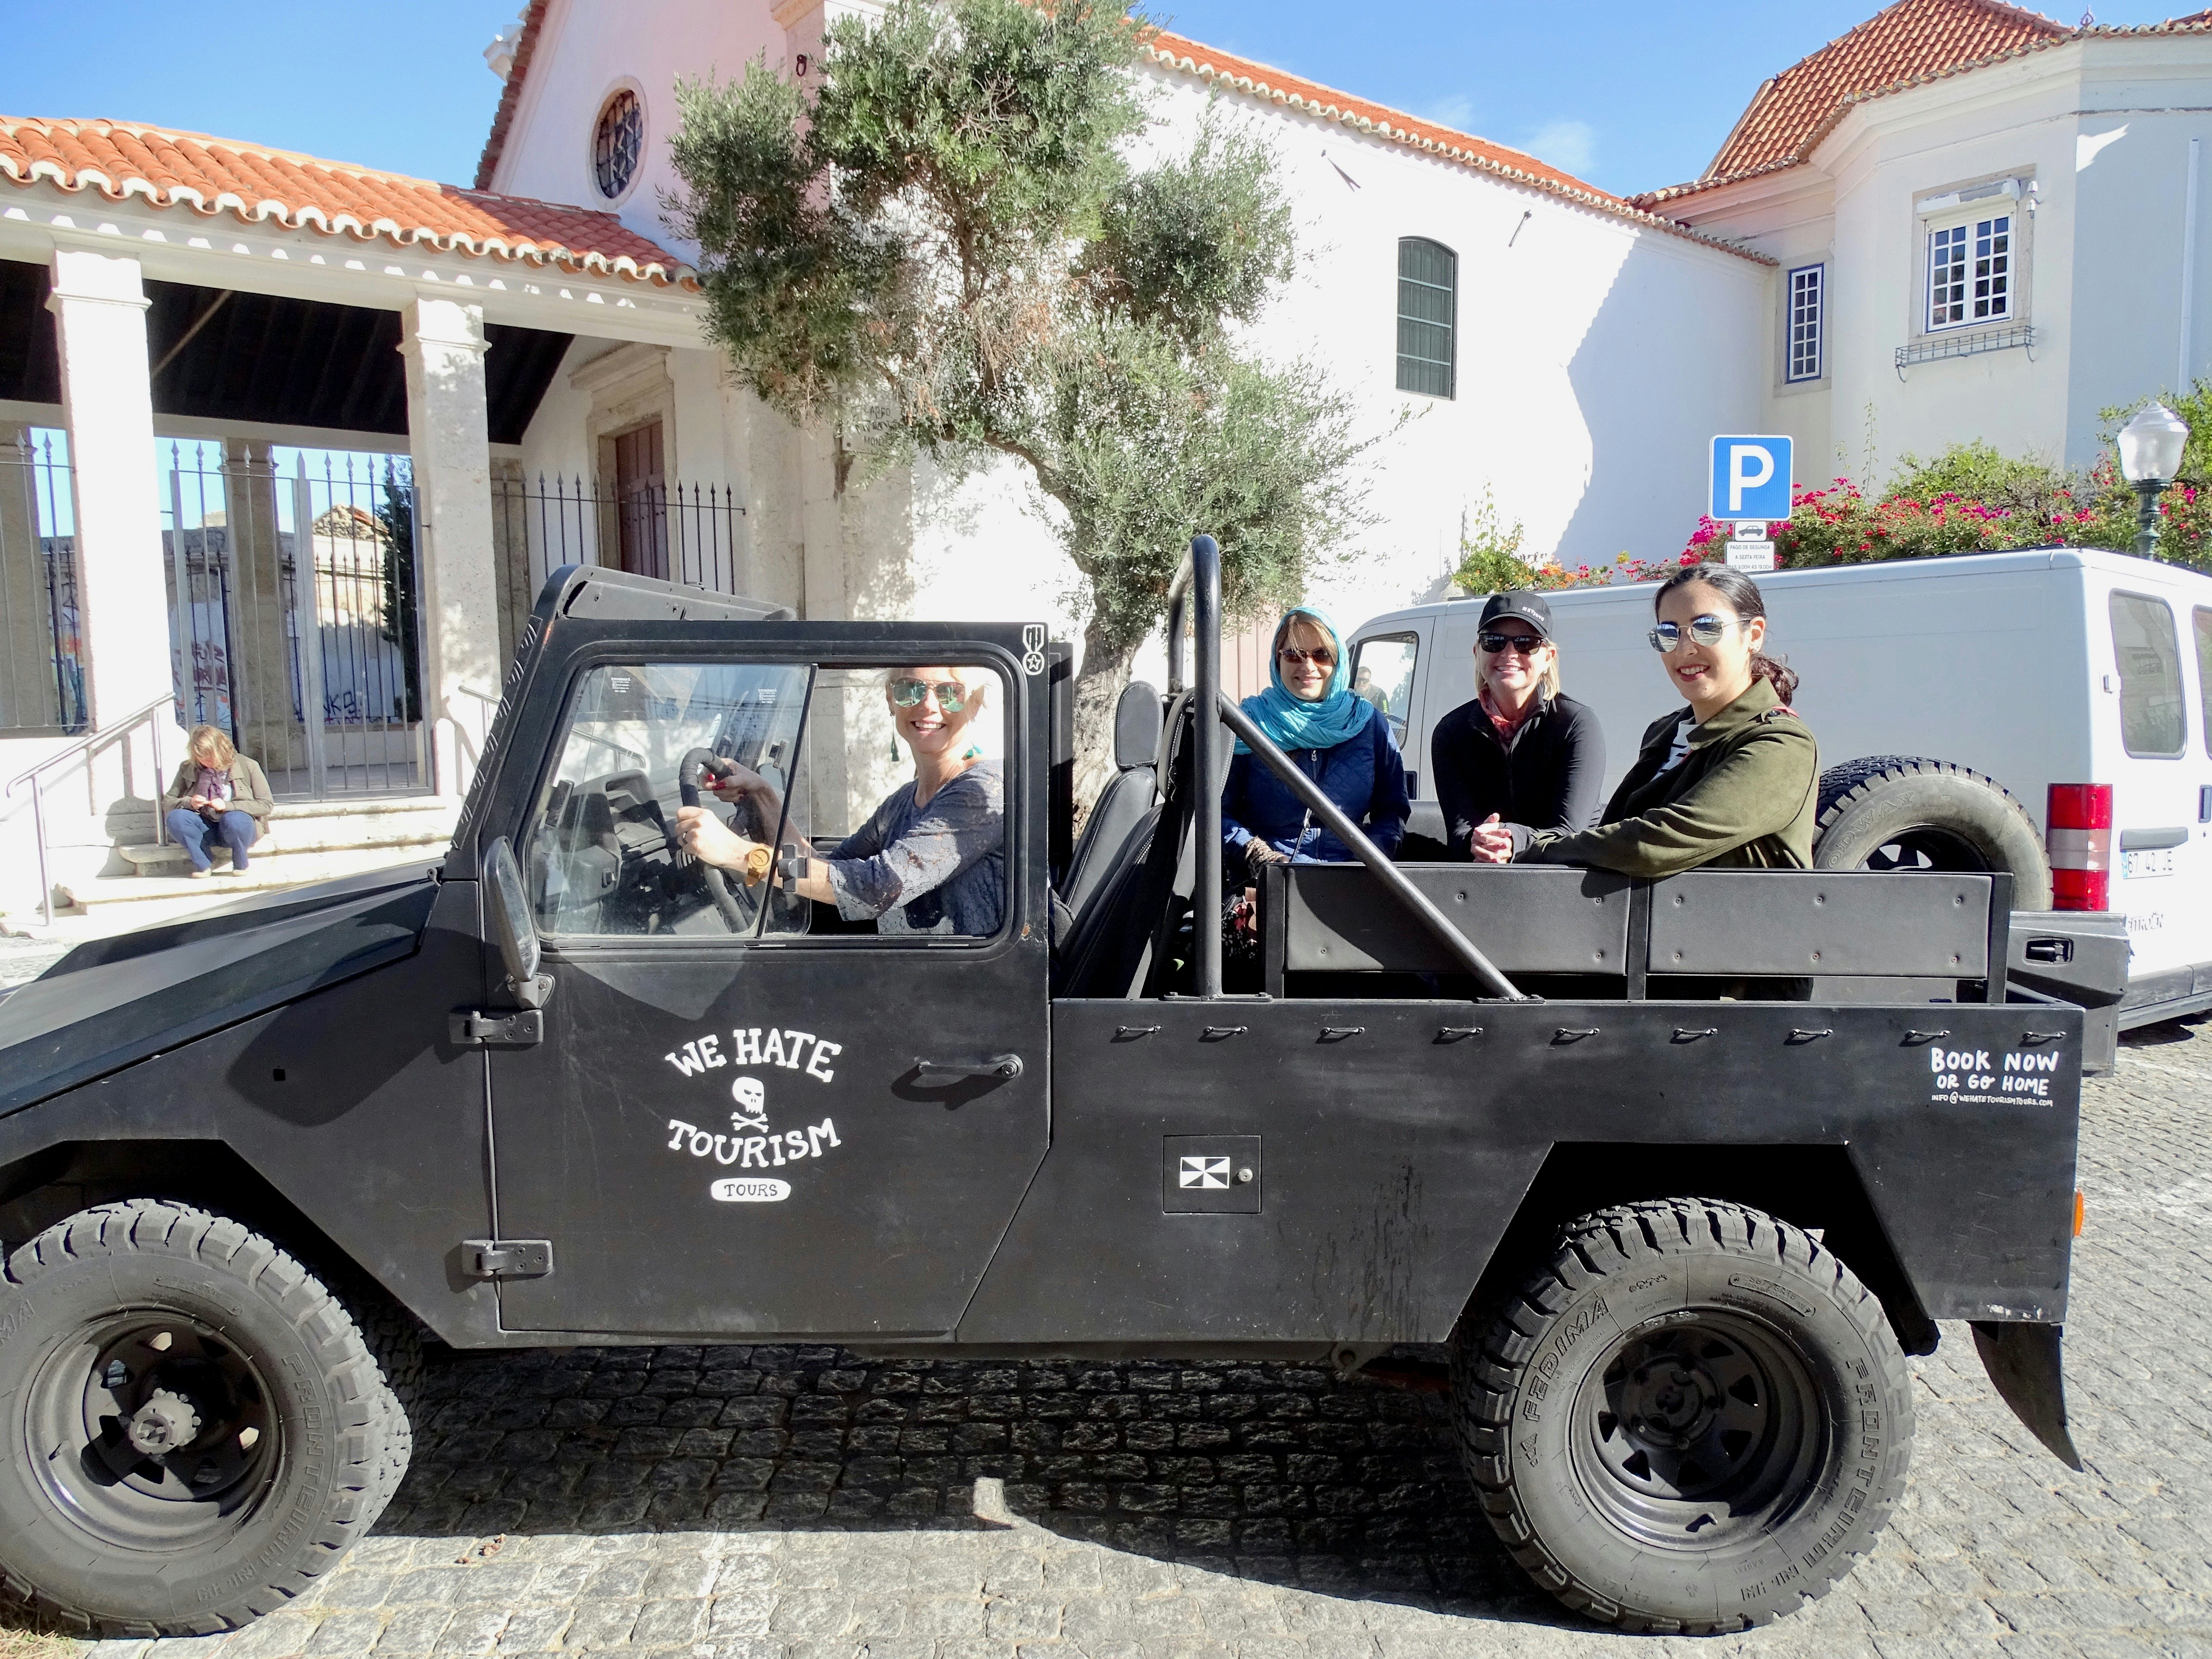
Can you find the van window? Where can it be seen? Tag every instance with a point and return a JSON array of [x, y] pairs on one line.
[[2153, 718], [1382, 672], [2203, 618]]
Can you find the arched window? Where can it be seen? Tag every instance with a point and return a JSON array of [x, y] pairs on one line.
[[616, 142], [1428, 317]]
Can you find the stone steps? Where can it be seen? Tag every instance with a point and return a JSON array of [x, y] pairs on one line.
[[272, 875], [305, 842], [317, 828]]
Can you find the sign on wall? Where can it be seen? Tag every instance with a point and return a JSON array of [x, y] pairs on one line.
[[1750, 478]]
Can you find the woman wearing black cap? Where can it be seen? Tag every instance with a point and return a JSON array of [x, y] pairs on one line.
[[1519, 753]]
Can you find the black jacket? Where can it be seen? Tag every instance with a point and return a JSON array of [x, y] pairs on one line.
[[1548, 780]]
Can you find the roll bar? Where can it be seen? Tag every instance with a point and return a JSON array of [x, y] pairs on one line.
[[1197, 586]]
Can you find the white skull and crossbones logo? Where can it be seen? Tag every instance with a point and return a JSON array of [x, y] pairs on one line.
[[752, 1101]]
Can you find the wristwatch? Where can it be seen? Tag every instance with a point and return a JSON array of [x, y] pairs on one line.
[[758, 862]]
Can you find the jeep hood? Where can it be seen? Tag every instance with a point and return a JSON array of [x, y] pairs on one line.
[[113, 1001]]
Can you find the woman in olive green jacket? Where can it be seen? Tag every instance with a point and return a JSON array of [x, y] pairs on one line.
[[1730, 782]]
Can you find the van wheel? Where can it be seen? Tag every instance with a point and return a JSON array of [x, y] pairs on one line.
[[1692, 1419], [192, 1427], [1899, 812]]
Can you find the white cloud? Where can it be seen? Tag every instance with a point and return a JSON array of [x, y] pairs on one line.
[[1572, 145], [1456, 112]]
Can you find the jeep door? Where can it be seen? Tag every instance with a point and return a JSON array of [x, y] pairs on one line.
[[762, 1113]]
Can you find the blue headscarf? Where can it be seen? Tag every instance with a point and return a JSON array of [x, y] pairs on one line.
[[1337, 717]]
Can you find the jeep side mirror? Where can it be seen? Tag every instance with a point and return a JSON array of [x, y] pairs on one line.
[[507, 910]]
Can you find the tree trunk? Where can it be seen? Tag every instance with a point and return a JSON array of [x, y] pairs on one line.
[[1098, 688]]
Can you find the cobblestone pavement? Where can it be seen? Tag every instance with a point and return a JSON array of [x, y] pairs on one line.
[[801, 1503], [22, 960]]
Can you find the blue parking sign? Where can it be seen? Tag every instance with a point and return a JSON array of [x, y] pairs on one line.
[[1750, 478]]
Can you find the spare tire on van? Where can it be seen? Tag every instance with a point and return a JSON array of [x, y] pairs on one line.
[[1902, 812]]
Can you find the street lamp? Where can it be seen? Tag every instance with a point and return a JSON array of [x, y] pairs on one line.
[[2150, 456]]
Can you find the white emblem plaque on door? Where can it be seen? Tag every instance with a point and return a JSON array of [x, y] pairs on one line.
[[1210, 1175]]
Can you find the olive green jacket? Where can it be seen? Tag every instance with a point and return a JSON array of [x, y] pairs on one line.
[[249, 789], [1744, 797]]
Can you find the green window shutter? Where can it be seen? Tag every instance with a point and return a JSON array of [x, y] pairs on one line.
[[1428, 318]]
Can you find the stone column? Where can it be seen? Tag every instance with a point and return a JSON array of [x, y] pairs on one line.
[[29, 692], [261, 621], [443, 342], [99, 303], [510, 533]]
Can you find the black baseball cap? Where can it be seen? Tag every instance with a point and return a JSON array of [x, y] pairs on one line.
[[1523, 605]]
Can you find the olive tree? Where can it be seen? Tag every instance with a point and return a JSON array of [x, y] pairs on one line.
[[945, 251]]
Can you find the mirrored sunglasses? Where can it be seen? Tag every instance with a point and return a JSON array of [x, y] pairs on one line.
[[951, 696], [1702, 630]]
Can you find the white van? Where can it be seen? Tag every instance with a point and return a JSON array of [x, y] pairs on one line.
[[1924, 680]]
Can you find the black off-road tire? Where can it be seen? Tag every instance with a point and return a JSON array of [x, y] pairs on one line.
[[125, 1300], [1901, 812], [1660, 1334]]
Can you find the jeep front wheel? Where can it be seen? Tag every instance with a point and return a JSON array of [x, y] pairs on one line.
[[1692, 1419], [192, 1427]]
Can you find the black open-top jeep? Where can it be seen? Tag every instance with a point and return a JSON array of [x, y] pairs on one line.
[[1674, 1173]]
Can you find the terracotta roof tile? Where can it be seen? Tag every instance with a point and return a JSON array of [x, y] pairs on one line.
[[1907, 44], [511, 93], [209, 175], [1261, 80]]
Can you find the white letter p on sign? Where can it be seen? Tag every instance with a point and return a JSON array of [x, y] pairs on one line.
[[1742, 459]]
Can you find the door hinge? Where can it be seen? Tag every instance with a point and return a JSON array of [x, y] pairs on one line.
[[517, 1027], [507, 1258]]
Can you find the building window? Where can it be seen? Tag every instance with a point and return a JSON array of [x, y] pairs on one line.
[[616, 142], [1809, 304], [1970, 273], [1428, 317]]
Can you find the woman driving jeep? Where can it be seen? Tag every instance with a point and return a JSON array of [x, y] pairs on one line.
[[931, 859]]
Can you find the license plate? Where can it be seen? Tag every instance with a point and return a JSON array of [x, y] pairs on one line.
[[2150, 861]]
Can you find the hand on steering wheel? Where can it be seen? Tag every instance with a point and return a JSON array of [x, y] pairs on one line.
[[707, 838], [741, 782]]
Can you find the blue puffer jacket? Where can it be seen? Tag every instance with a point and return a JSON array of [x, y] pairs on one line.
[[1364, 775]]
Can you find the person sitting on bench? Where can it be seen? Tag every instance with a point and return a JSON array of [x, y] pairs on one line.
[[1730, 782]]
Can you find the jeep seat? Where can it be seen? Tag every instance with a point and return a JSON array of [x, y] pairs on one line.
[[1125, 802]]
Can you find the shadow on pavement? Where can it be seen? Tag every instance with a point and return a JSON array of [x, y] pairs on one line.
[[1280, 1473]]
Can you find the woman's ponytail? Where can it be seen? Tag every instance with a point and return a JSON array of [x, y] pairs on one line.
[[1776, 672], [1743, 596]]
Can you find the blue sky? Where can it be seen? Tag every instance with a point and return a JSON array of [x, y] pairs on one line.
[[1630, 96]]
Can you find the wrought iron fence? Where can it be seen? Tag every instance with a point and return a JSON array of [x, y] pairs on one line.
[[295, 624], [678, 533], [41, 664]]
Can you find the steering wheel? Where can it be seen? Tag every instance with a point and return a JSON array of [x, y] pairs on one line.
[[695, 765]]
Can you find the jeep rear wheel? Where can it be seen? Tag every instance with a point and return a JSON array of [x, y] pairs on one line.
[[192, 1427], [1692, 1419], [1900, 812]]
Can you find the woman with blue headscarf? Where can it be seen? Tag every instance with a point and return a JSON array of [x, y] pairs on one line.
[[1331, 734]]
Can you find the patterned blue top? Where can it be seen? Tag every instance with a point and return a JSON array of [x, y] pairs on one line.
[[935, 869]]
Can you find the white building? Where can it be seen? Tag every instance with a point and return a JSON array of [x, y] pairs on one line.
[[1984, 224], [1570, 314], [543, 368]]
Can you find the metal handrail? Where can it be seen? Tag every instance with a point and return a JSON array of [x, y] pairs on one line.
[[34, 775], [90, 738]]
